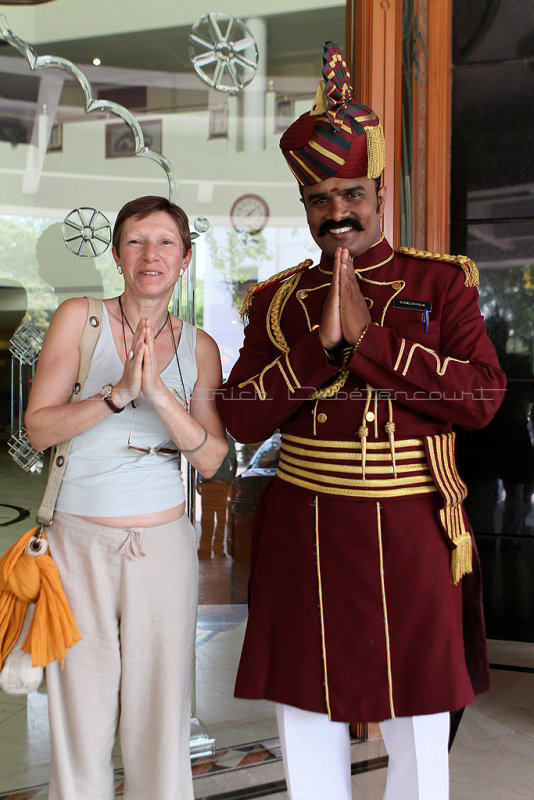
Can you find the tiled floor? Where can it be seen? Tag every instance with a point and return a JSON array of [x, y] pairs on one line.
[[492, 757]]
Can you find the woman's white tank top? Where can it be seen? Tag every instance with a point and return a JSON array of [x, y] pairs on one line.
[[103, 478]]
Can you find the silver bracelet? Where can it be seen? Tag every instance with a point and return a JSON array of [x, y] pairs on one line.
[[202, 443]]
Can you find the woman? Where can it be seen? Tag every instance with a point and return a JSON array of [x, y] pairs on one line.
[[120, 536]]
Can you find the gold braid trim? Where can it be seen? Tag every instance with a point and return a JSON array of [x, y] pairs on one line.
[[363, 430], [321, 607], [275, 310], [340, 379], [378, 494], [330, 390], [385, 609], [245, 307], [441, 459], [468, 266]]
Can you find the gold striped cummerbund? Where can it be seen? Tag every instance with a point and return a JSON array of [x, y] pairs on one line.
[[336, 467]]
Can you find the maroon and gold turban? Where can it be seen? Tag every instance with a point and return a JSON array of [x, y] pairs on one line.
[[337, 137]]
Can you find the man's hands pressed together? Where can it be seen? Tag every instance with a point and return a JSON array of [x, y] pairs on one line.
[[345, 312]]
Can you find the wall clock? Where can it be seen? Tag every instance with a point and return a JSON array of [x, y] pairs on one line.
[[249, 214]]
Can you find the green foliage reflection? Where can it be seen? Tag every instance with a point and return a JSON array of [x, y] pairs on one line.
[[236, 256], [18, 263], [509, 292]]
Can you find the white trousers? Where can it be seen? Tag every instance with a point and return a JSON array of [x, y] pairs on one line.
[[133, 594], [316, 754]]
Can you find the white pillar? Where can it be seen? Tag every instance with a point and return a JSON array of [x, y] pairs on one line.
[[254, 93], [50, 88]]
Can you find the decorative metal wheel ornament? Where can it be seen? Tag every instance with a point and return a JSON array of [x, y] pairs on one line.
[[201, 224], [86, 232], [223, 52]]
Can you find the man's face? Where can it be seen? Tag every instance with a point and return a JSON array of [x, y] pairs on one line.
[[344, 212]]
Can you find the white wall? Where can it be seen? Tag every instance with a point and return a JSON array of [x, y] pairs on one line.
[[211, 174]]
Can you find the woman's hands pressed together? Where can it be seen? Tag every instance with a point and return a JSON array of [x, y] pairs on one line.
[[189, 428], [141, 373]]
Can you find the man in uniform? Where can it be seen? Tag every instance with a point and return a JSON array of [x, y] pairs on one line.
[[364, 587]]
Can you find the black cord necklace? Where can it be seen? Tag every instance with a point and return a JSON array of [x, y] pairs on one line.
[[124, 319], [185, 401], [175, 345]]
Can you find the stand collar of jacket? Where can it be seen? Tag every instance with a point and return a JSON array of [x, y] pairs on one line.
[[377, 255]]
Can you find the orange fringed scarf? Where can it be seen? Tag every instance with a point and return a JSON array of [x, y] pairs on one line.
[[24, 579]]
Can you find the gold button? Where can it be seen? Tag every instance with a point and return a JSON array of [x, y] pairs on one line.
[[302, 294], [370, 416], [321, 417], [397, 285]]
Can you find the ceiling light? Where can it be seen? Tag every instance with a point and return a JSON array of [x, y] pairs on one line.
[[96, 61]]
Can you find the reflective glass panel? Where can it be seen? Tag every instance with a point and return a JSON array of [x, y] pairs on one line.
[[55, 159], [492, 213]]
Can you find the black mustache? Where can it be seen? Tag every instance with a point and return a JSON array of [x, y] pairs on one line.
[[342, 223]]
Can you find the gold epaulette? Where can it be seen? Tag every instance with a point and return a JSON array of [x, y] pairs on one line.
[[468, 266], [280, 276]]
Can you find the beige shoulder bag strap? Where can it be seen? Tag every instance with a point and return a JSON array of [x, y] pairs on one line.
[[59, 454]]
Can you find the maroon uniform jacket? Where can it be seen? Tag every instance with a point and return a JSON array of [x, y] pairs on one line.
[[365, 593]]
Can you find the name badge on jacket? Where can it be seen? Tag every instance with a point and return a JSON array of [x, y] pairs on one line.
[[415, 305]]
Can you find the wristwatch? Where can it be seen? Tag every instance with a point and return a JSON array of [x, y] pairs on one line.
[[106, 397]]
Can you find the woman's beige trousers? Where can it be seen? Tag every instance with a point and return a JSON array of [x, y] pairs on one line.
[[133, 593]]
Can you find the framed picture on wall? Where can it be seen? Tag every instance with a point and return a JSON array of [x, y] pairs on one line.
[[284, 113], [120, 139], [218, 122], [55, 142]]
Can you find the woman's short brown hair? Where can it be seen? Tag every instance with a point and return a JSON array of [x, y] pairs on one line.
[[142, 207]]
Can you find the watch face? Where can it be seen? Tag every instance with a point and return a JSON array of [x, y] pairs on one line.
[[249, 213]]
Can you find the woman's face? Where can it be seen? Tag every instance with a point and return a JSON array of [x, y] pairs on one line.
[[151, 254]]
